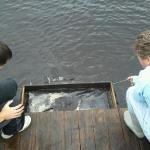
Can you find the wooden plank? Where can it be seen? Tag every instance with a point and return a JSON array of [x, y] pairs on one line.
[[131, 140], [2, 144], [117, 141], [13, 143], [113, 96], [86, 129], [144, 144], [72, 141], [100, 130], [43, 131], [57, 131], [28, 137]]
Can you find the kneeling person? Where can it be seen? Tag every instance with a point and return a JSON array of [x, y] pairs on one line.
[[12, 117]]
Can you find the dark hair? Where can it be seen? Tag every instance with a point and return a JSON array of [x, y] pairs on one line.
[[5, 53], [142, 44]]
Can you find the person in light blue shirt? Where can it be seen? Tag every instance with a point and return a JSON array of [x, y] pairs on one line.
[[137, 117]]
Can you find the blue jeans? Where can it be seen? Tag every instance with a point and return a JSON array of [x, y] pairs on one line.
[[8, 91]]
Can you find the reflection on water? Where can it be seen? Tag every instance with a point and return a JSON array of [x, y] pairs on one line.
[[87, 40], [63, 101]]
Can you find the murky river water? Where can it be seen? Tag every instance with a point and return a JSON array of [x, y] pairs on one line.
[[88, 41]]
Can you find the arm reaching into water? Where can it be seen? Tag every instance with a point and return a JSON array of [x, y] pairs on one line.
[[8, 112]]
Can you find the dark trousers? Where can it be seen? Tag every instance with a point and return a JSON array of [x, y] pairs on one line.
[[8, 91]]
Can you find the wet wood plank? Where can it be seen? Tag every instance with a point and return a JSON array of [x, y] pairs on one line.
[[86, 130], [115, 132], [13, 143], [72, 140], [100, 130], [131, 140], [43, 131], [28, 137], [56, 133], [144, 144], [1, 144]]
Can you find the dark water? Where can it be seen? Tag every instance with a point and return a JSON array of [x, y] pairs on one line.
[[68, 100], [88, 41]]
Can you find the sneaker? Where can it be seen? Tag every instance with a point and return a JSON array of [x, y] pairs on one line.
[[27, 122], [128, 120], [5, 136]]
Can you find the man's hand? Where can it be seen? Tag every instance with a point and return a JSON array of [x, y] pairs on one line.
[[8, 112], [130, 79]]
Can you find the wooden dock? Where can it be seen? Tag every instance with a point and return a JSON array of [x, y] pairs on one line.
[[99, 129]]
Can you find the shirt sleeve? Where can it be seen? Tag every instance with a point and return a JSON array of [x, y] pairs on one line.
[[146, 94]]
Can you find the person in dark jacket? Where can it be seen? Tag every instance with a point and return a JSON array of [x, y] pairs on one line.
[[12, 117]]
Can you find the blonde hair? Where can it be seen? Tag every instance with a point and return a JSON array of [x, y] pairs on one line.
[[142, 44]]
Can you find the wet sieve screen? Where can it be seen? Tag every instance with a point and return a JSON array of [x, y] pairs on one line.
[[67, 101]]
